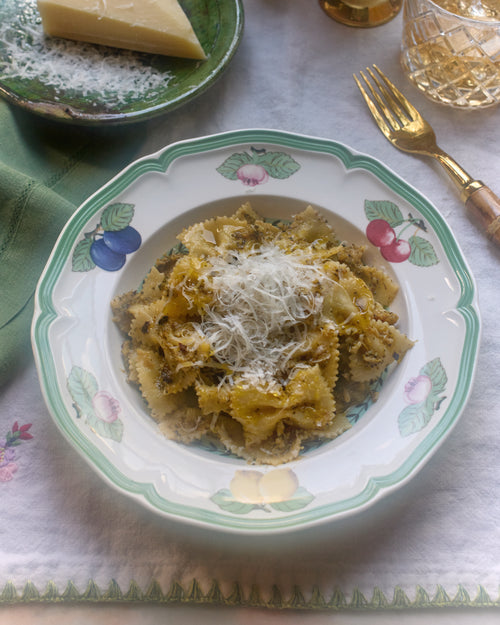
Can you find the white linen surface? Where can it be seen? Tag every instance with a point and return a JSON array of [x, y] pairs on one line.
[[61, 522]]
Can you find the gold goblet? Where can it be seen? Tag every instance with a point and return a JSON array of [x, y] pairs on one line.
[[361, 13]]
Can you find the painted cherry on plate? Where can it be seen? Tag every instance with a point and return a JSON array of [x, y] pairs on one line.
[[380, 233], [398, 236], [397, 251]]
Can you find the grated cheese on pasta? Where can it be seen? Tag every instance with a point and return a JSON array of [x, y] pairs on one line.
[[262, 298]]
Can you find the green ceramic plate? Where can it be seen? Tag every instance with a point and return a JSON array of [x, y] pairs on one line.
[[87, 84]]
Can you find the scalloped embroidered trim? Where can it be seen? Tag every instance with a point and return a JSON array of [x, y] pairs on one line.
[[194, 594]]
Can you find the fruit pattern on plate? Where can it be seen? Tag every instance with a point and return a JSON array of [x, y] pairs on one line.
[[107, 245]]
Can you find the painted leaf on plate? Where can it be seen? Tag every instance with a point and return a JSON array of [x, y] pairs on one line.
[[113, 430], [422, 252], [424, 393], [81, 260], [117, 216], [277, 164], [82, 387], [384, 209], [229, 168], [225, 500], [99, 408], [258, 163], [300, 499]]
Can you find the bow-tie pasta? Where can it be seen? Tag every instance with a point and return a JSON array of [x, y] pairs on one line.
[[259, 334]]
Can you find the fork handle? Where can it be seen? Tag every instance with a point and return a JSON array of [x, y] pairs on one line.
[[484, 206]]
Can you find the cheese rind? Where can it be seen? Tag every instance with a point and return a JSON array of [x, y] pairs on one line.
[[154, 26]]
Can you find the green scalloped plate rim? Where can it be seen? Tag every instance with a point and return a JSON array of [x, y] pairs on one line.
[[219, 26], [376, 487]]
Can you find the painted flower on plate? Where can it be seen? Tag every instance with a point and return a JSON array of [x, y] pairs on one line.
[[106, 407], [255, 166], [100, 409], [252, 175], [417, 389], [424, 394]]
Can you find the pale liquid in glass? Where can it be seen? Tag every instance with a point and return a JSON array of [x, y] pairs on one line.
[[483, 10], [363, 13], [454, 61]]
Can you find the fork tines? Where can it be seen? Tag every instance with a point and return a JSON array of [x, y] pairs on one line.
[[387, 104]]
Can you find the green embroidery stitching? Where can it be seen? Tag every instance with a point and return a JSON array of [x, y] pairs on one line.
[[194, 594]]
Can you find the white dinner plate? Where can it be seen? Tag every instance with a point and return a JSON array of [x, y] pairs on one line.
[[77, 346]]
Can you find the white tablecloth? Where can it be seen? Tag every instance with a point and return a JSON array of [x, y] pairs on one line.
[[434, 541]]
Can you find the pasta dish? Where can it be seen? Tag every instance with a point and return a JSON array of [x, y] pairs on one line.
[[260, 334]]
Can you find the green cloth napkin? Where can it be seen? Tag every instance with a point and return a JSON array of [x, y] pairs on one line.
[[47, 170]]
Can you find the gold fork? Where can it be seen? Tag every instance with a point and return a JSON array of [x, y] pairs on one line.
[[406, 129]]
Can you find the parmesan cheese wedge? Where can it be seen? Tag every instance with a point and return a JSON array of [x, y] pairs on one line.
[[154, 26]]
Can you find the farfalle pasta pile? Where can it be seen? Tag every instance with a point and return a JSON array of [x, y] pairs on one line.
[[259, 334]]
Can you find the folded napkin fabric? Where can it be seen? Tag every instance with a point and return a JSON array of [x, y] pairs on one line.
[[31, 217], [46, 171]]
